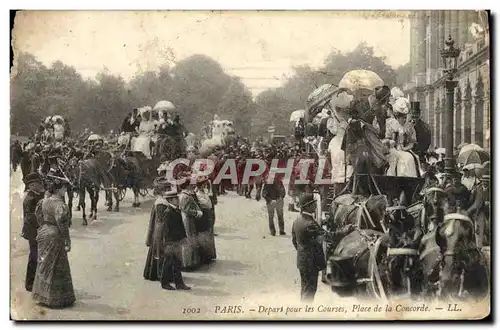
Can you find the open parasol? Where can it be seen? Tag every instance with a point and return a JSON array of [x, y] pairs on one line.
[[440, 151], [95, 137], [361, 79], [320, 97], [472, 156], [164, 106], [297, 114], [468, 147]]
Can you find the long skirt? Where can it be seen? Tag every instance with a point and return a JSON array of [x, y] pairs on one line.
[[142, 144], [207, 250], [190, 255], [53, 285], [152, 269]]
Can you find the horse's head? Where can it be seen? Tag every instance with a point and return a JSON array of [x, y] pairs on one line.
[[435, 202], [455, 237]]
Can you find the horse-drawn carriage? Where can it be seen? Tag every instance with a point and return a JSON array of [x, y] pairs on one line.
[[378, 239]]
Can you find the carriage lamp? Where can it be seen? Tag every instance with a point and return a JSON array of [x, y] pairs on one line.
[[450, 60]]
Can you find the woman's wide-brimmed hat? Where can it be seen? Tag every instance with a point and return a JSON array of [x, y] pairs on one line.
[[55, 176], [201, 179], [162, 184], [401, 106]]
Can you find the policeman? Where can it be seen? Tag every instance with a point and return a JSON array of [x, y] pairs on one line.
[[306, 238], [34, 193]]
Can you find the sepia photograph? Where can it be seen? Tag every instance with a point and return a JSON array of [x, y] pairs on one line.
[[250, 165]]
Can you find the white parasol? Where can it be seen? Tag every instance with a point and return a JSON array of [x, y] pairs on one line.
[[440, 151], [297, 114], [361, 79], [95, 137], [470, 147], [164, 106]]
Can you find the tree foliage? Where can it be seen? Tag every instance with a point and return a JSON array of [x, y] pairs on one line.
[[278, 104], [197, 85]]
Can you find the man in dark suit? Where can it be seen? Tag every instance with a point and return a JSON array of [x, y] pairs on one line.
[[422, 130], [33, 194], [273, 194], [306, 238]]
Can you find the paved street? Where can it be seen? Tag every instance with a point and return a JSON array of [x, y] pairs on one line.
[[107, 260], [253, 270]]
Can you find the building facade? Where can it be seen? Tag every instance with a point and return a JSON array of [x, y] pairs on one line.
[[470, 31]]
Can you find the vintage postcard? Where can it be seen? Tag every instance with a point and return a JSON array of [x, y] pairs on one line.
[[250, 165]]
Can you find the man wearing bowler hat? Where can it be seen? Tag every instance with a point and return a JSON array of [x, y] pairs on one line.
[[306, 238], [34, 193]]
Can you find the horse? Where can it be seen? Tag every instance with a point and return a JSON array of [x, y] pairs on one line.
[[403, 269], [90, 175], [359, 211], [133, 170], [452, 265], [376, 261]]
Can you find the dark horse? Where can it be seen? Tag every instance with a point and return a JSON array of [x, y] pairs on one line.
[[452, 265], [91, 175], [132, 170]]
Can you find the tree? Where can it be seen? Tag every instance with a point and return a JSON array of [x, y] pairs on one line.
[[277, 104], [237, 105], [28, 82], [362, 57], [403, 74]]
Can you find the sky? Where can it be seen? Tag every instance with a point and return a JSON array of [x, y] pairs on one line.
[[260, 47]]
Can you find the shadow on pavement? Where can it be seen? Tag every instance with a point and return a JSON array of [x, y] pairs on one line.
[[224, 268], [200, 281], [103, 309], [224, 230], [228, 237], [208, 292]]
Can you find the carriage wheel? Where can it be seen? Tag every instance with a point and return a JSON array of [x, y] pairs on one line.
[[376, 268], [122, 191]]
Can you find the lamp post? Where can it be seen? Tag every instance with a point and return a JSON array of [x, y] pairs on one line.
[[450, 58]]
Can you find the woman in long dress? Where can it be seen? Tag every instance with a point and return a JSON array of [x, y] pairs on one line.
[[146, 130], [401, 136], [53, 285], [191, 212], [340, 172], [204, 224]]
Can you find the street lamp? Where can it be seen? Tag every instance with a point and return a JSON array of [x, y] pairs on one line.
[[450, 60]]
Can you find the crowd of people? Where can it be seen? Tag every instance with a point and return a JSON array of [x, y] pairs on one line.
[[181, 227]]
